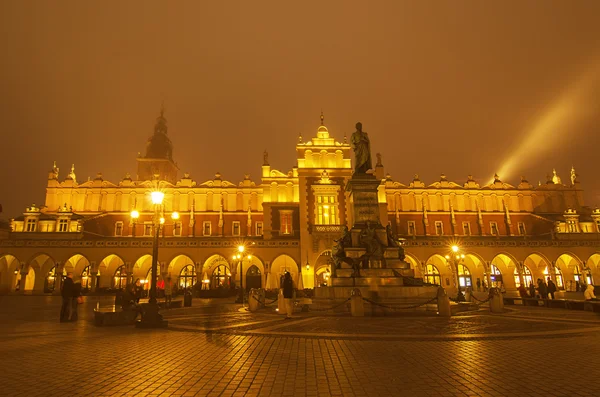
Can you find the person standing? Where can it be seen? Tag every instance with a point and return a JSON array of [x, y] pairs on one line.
[[531, 289], [75, 301], [168, 292], [288, 294], [542, 289], [551, 288], [137, 291], [67, 296], [478, 284]]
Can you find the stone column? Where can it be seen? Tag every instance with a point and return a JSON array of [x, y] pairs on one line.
[[57, 278]]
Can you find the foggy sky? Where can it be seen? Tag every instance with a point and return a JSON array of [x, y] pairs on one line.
[[440, 86]]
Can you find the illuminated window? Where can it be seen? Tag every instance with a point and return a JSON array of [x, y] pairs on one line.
[[558, 275], [286, 222], [259, 228], [148, 229], [494, 228], [120, 278], [177, 229], [411, 228], [187, 277], [466, 228], [235, 228], [527, 277], [521, 229], [433, 275], [206, 228], [51, 279], [63, 225], [86, 278], [327, 210], [496, 276], [464, 276], [220, 277], [439, 228], [31, 225], [598, 225], [571, 226], [119, 229]]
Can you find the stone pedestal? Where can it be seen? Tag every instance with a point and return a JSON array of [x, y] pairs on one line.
[[362, 194]]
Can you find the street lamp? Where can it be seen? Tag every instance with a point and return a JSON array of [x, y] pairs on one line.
[[240, 258], [134, 217], [456, 257], [151, 318]]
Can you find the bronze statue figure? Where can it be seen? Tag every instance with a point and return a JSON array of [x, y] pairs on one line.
[[368, 238], [362, 150]]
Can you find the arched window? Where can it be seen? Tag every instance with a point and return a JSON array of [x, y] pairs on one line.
[[464, 276], [579, 277], [432, 275], [527, 277], [496, 276], [51, 281], [187, 277], [86, 278], [559, 278], [120, 278], [220, 276]]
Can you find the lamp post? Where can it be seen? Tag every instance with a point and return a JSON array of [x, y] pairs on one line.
[[134, 217], [151, 318], [456, 257], [240, 258]]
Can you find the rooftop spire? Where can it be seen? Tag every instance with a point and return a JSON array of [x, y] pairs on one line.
[[322, 118]]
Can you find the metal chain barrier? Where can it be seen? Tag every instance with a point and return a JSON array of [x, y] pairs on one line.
[[330, 308], [400, 308], [265, 303]]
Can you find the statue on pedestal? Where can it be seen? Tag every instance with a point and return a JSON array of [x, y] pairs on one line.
[[392, 241], [362, 150]]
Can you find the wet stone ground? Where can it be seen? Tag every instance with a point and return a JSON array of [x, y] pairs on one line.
[[215, 349]]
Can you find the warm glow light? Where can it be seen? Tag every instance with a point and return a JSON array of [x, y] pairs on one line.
[[162, 220], [175, 215], [447, 256], [462, 256], [157, 197], [249, 257], [457, 256], [135, 214], [455, 248], [241, 248], [234, 257]]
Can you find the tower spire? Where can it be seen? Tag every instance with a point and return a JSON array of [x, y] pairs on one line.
[[322, 118]]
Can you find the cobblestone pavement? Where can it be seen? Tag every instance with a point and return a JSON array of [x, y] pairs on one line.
[[214, 349]]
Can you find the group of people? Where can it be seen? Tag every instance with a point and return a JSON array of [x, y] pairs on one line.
[[546, 290], [71, 297]]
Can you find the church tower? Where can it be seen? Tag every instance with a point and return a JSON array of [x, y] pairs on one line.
[[158, 160]]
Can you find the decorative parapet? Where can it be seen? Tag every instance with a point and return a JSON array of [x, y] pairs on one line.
[[128, 242]]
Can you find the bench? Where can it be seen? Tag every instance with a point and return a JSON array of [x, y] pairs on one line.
[[110, 316]]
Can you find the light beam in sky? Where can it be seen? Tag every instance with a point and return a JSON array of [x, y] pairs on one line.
[[555, 124]]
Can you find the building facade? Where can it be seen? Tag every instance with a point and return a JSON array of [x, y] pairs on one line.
[[288, 221]]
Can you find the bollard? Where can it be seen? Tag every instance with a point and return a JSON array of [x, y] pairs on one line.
[[253, 302], [357, 306], [443, 303], [496, 301], [468, 294], [281, 303]]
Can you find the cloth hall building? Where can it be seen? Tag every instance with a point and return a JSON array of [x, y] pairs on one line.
[[288, 220]]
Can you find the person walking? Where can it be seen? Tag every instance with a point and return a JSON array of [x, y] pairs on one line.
[[551, 288], [75, 300], [168, 292], [67, 296], [288, 293]]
